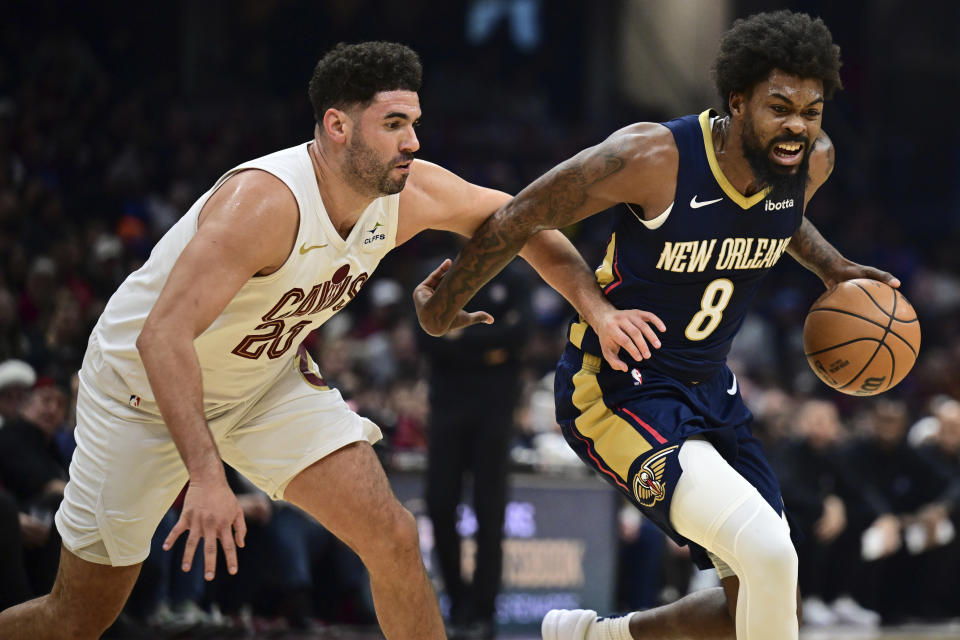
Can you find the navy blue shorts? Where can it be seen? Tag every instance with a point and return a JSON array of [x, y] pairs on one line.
[[629, 426]]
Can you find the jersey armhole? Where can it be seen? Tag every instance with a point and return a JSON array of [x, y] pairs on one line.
[[656, 222]]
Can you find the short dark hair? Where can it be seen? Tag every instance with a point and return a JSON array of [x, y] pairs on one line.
[[352, 74], [793, 42]]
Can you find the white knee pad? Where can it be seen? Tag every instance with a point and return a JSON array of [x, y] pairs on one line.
[[717, 508]]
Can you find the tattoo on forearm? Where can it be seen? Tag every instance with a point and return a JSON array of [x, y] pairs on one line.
[[551, 202], [813, 250]]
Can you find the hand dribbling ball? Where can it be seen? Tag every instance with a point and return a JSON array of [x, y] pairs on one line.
[[861, 337]]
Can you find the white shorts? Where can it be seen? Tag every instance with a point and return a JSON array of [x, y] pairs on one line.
[[126, 471]]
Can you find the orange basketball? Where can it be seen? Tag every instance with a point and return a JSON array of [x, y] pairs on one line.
[[861, 337]]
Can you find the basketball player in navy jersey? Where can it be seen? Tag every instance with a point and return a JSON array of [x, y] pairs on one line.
[[712, 201]]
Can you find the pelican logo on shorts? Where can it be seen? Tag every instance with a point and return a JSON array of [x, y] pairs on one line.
[[374, 234], [648, 485]]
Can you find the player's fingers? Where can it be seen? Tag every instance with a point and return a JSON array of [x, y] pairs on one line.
[[229, 549], [630, 338], [468, 318], [433, 280], [650, 335], [240, 529], [610, 355], [481, 316], [190, 548], [209, 554], [652, 318], [889, 278], [178, 528]]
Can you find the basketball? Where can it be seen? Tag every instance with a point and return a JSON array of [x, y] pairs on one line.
[[861, 337]]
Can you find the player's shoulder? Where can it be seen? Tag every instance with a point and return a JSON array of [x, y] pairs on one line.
[[822, 159], [426, 175], [252, 196], [648, 143], [650, 159], [258, 186]]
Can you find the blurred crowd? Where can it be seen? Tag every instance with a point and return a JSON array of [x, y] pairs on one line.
[[97, 162]]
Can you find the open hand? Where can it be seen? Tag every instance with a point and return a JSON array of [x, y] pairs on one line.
[[631, 329], [210, 511], [423, 293]]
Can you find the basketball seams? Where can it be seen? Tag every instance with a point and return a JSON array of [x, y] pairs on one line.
[[842, 344], [915, 318], [873, 300], [852, 342], [877, 350], [868, 320], [893, 365], [904, 341]]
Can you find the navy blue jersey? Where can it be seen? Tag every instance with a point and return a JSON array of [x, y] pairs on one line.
[[699, 264]]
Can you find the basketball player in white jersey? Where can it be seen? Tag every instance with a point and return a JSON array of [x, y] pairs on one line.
[[197, 357]]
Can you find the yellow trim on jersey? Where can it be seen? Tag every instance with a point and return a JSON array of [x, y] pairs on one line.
[[729, 189], [605, 271], [615, 440], [577, 331], [604, 275]]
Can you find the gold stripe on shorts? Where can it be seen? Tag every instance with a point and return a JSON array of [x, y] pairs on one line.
[[615, 440]]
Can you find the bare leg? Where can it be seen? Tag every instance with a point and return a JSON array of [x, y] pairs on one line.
[[702, 615], [706, 615], [348, 493], [85, 600]]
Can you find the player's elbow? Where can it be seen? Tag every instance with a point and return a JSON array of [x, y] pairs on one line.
[[149, 338], [144, 340]]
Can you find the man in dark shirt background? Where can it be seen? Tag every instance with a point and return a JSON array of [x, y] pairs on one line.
[[901, 489], [824, 500], [33, 471], [474, 388]]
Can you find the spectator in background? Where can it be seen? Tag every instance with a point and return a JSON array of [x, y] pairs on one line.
[[33, 471], [939, 522], [905, 495], [14, 583], [474, 387], [16, 378], [822, 499]]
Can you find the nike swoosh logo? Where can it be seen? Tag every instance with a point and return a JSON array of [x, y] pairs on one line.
[[733, 388], [696, 205], [305, 248]]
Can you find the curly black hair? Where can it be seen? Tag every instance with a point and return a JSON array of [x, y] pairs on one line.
[[786, 40], [352, 74]]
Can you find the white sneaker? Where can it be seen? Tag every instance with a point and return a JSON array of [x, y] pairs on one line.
[[848, 611], [817, 614], [564, 624]]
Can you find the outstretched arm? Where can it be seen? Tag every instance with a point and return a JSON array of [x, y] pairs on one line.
[[561, 266], [812, 250], [621, 168], [809, 247]]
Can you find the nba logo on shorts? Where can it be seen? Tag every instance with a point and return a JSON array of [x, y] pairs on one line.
[[134, 401], [637, 377]]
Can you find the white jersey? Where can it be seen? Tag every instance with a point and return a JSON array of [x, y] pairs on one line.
[[258, 334]]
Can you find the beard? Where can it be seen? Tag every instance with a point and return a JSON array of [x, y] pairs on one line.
[[368, 174], [784, 182]]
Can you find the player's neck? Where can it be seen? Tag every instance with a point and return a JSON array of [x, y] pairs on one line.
[[344, 204], [728, 147]]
